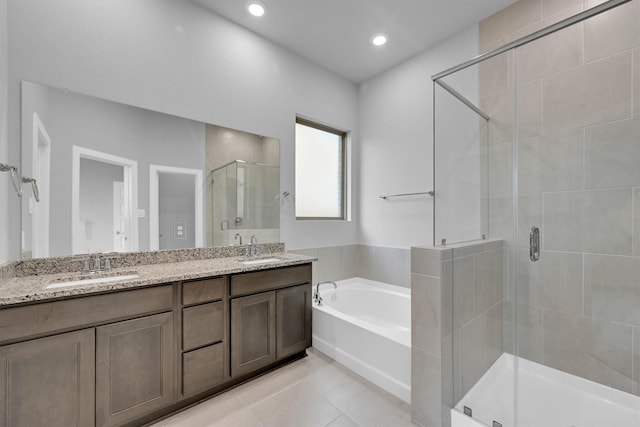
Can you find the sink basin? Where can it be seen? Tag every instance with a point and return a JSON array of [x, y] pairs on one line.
[[260, 261], [61, 283]]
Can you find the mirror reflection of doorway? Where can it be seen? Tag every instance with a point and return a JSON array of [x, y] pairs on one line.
[[104, 199], [175, 208]]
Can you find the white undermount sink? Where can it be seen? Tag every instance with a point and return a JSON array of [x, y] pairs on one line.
[[260, 261], [129, 275]]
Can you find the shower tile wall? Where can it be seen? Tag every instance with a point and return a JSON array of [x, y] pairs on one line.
[[383, 264], [578, 103], [457, 328]]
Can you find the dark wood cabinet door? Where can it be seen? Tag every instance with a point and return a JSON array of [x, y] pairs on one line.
[[49, 381], [253, 332], [293, 320], [134, 368]]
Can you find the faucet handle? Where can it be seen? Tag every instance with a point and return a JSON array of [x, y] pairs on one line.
[[86, 269]]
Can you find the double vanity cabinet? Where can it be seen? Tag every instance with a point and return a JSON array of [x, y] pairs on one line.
[[131, 356]]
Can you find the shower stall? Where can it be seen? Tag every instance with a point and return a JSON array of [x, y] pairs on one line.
[[243, 202], [537, 177]]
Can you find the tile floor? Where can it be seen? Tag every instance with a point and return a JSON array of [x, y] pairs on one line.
[[314, 391]]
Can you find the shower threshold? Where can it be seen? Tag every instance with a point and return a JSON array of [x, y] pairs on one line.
[[546, 397]]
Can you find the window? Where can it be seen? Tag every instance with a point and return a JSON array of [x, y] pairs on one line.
[[320, 171]]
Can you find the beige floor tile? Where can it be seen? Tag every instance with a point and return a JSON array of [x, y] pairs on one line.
[[367, 405], [343, 421], [206, 413], [299, 395], [297, 406], [281, 379]]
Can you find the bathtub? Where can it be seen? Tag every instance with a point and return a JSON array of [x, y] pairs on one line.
[[366, 326]]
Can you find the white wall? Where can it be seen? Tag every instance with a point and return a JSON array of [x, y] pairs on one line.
[[8, 242], [177, 58], [396, 137]]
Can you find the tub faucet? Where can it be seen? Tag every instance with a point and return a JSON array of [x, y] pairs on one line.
[[316, 296]]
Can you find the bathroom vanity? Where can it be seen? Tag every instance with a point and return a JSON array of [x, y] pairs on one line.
[[131, 352]]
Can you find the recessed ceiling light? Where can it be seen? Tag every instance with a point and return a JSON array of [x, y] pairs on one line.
[[256, 8], [379, 39]]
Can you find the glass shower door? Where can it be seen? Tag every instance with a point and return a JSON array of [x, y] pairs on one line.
[[577, 159]]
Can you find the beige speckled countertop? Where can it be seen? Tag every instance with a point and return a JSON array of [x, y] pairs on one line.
[[19, 290]]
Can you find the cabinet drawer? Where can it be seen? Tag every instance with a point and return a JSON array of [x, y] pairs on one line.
[[202, 369], [202, 325], [200, 291], [266, 280], [38, 319]]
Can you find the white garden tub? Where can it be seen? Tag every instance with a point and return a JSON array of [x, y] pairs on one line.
[[366, 326]]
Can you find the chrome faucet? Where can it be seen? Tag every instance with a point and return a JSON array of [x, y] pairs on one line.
[[95, 264], [316, 296], [238, 236], [253, 249]]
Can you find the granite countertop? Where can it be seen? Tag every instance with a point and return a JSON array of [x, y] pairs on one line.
[[19, 290]]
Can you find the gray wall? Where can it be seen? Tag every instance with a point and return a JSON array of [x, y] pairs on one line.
[[9, 243]]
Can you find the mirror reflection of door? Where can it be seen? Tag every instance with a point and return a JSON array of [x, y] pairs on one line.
[[104, 200], [176, 211], [102, 206], [175, 208]]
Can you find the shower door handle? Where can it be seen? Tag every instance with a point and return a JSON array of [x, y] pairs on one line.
[[534, 244]]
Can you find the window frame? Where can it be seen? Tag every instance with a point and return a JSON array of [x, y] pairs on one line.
[[343, 169]]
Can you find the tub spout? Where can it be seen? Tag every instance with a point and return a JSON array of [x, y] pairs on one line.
[[316, 296]]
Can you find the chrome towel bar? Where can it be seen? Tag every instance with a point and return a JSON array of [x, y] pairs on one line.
[[388, 196]]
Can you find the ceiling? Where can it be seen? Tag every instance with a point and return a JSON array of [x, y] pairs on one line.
[[335, 34]]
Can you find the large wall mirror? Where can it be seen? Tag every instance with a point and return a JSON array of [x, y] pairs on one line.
[[116, 178]]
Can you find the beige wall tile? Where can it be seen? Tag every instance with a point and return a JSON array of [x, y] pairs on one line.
[[427, 261], [462, 291], [495, 74], [551, 7], [530, 333], [487, 280], [594, 349], [530, 109], [493, 334], [472, 353], [636, 82], [554, 282], [510, 19], [612, 31], [553, 53], [636, 361], [500, 166], [501, 217], [551, 163], [425, 388], [547, 21], [595, 93], [500, 108], [426, 321], [612, 155], [598, 221], [612, 288], [636, 221]]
